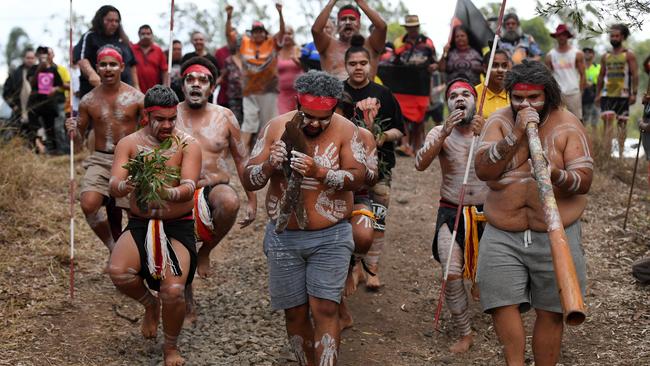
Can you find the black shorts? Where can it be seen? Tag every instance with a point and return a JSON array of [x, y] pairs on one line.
[[181, 230], [620, 106]]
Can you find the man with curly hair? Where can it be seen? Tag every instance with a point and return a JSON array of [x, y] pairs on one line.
[[308, 262]]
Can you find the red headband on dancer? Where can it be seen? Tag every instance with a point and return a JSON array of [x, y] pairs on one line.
[[109, 52], [346, 12], [527, 87], [317, 103], [461, 84], [197, 68]]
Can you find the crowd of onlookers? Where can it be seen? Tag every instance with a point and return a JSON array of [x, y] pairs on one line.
[[257, 71]]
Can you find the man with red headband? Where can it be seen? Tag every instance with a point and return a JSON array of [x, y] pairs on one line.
[[515, 267], [158, 245], [332, 50], [308, 263], [217, 132], [451, 143], [112, 110]]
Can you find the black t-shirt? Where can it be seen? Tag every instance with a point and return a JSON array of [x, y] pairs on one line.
[[389, 110], [43, 81], [87, 48]]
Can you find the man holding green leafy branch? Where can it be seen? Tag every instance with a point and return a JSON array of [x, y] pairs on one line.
[[158, 168]]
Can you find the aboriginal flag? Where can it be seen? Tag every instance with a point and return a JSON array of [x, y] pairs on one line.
[[481, 36]]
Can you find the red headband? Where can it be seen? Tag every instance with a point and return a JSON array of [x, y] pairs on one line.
[[317, 103], [345, 12], [527, 87], [461, 84], [198, 68], [109, 52]]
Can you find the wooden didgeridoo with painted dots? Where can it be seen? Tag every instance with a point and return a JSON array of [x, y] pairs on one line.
[[573, 307]]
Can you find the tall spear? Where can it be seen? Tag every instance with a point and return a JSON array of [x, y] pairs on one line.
[[171, 45], [461, 196], [72, 182]]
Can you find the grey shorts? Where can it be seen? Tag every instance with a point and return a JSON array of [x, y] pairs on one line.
[[307, 263], [512, 272]]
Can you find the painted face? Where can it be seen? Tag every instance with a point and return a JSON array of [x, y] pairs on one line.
[[358, 68], [615, 38], [198, 41], [146, 36], [111, 23], [197, 89], [520, 99], [347, 26], [315, 121], [500, 66], [162, 123], [29, 59], [463, 99], [109, 69]]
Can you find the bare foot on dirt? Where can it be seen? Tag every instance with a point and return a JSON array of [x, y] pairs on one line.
[[190, 315], [463, 344], [172, 356], [203, 265], [350, 286], [149, 327], [372, 282], [345, 318]]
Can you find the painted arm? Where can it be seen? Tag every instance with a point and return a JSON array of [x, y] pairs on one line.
[[578, 170], [190, 171], [377, 39], [118, 185], [77, 125], [267, 157], [321, 39], [432, 147]]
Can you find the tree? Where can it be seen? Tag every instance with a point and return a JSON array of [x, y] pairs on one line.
[[537, 28], [629, 12], [17, 42], [79, 27]]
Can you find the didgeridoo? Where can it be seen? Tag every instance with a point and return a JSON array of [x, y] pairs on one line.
[[573, 307]]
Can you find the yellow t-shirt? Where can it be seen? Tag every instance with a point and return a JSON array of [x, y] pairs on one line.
[[492, 101]]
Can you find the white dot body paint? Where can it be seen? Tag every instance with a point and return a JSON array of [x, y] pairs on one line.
[[358, 150], [336, 178], [332, 210], [257, 175], [272, 206]]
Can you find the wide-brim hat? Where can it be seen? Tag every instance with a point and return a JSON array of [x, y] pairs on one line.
[[411, 21], [562, 28]]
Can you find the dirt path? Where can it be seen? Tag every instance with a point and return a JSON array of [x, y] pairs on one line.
[[41, 326]]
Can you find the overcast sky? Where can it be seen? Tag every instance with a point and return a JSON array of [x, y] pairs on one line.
[[35, 16]]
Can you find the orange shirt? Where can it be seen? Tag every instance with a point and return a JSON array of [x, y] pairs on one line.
[[259, 66]]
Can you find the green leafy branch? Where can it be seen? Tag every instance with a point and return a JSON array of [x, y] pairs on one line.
[[149, 173]]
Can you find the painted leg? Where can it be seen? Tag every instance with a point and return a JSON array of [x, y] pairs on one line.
[[224, 203], [326, 331], [547, 338], [91, 204], [300, 333], [123, 269], [510, 330], [372, 259], [172, 296], [363, 235]]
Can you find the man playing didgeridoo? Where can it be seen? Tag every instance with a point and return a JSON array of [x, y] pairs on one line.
[[158, 244], [308, 267], [451, 144], [515, 267]]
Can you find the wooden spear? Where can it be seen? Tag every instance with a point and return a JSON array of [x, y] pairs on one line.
[[72, 182], [461, 196], [171, 44]]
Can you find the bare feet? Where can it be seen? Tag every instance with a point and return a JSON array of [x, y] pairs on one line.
[[372, 282], [463, 344], [350, 285], [203, 264], [358, 276], [345, 318], [172, 356], [149, 327]]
